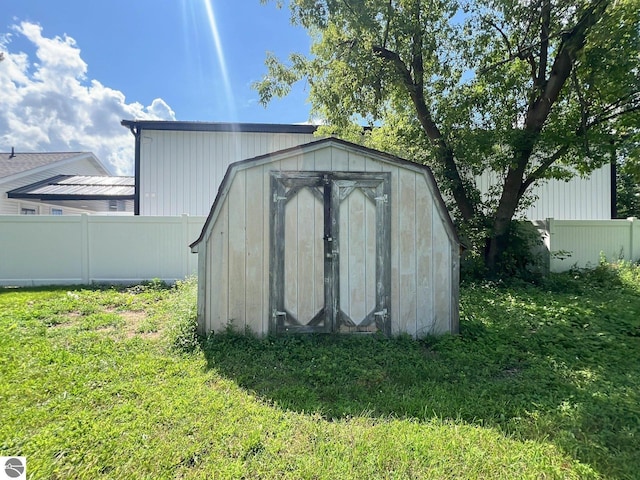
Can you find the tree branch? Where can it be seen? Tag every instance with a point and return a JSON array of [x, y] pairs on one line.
[[502, 34], [572, 42], [445, 153], [544, 43], [584, 115], [538, 173]]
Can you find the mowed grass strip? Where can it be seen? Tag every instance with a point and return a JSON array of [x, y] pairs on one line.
[[109, 383]]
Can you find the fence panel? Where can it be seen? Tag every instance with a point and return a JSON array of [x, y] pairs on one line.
[[84, 249], [47, 250], [577, 243]]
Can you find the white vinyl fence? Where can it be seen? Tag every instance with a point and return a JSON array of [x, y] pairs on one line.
[[85, 249], [581, 243]]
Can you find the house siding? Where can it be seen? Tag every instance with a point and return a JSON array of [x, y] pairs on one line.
[[180, 171], [12, 206], [581, 198]]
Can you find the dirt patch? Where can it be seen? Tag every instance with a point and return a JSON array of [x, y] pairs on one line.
[[134, 323]]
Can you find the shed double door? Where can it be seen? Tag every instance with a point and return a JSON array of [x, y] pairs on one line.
[[330, 252]]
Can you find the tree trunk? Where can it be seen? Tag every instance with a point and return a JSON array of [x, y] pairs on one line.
[[537, 113], [498, 240]]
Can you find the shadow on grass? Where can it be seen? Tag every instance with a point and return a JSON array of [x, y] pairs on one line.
[[563, 367]]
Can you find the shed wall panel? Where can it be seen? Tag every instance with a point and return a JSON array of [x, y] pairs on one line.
[[217, 306], [237, 253], [322, 159], [442, 280], [406, 242], [424, 262], [339, 160], [265, 314], [255, 217]]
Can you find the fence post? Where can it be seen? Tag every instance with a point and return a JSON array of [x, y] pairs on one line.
[[85, 243], [632, 238], [185, 245], [549, 243]]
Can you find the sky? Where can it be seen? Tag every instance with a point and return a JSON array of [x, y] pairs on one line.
[[73, 69]]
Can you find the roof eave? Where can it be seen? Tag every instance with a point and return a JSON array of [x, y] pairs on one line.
[[219, 126]]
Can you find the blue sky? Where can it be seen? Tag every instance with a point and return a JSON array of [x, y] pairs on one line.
[[73, 69]]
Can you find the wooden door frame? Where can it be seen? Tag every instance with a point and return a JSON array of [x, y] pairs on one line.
[[331, 188]]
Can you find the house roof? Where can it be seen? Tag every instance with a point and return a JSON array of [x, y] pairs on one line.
[[311, 146], [219, 126], [14, 163], [78, 187]]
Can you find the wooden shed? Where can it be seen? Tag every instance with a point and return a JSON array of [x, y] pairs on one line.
[[328, 237]]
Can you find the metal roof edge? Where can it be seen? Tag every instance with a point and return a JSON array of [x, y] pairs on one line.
[[219, 126]]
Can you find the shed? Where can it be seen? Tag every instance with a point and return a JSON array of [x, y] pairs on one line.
[[328, 236]]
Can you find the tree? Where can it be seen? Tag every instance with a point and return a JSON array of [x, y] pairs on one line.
[[528, 90], [628, 191]]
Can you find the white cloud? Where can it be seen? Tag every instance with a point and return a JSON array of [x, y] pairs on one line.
[[50, 105]]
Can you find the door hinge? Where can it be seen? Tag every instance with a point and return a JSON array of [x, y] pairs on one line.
[[276, 197], [382, 198], [382, 313], [276, 313]]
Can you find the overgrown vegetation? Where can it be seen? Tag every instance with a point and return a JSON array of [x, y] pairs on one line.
[[542, 382], [521, 92]]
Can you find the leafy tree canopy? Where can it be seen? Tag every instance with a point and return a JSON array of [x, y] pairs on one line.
[[524, 90]]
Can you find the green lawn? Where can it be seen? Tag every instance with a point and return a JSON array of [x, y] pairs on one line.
[[543, 382]]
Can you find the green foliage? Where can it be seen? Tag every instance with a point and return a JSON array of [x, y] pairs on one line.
[[182, 331], [524, 257], [524, 92], [628, 190], [542, 382]]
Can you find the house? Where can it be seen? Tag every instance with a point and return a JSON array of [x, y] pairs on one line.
[[591, 197], [179, 166], [60, 183], [328, 236]]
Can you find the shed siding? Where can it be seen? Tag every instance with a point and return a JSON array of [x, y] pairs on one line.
[[255, 242], [406, 241], [424, 262], [442, 280], [237, 253], [421, 281], [217, 287], [180, 171]]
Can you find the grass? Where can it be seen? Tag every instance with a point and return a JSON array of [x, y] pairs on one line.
[[543, 382]]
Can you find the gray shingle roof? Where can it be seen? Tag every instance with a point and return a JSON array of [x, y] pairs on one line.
[[22, 162]]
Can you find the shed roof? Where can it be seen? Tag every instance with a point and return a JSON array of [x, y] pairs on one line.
[[308, 147], [78, 187]]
